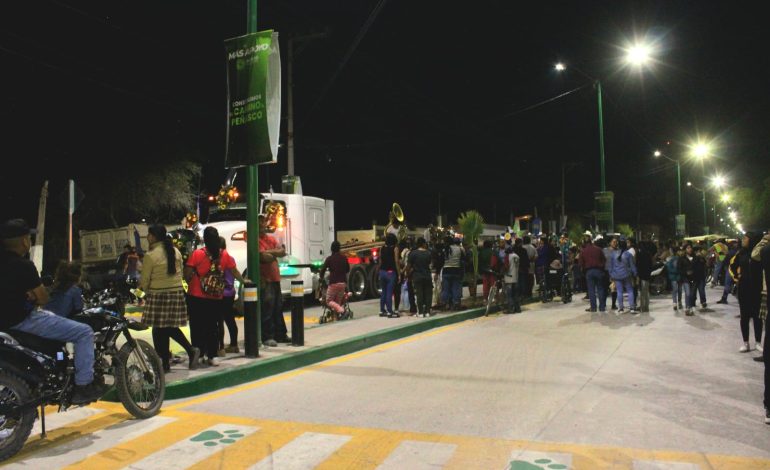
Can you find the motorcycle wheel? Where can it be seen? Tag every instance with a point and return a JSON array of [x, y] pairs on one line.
[[14, 430], [141, 391]]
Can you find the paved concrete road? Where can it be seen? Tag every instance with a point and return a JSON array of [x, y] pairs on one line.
[[554, 387]]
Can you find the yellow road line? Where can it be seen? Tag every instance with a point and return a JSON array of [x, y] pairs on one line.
[[126, 453], [329, 363], [70, 432]]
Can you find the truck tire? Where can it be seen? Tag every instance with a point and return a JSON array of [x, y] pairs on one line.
[[357, 282], [374, 283]]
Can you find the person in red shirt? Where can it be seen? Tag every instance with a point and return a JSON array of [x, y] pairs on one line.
[[338, 267], [205, 310], [273, 325]]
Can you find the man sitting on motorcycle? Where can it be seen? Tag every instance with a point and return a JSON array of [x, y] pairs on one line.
[[21, 296]]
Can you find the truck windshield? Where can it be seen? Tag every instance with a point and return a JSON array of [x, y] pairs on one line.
[[227, 215]]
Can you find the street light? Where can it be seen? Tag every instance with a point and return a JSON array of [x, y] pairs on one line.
[[638, 54], [560, 67], [701, 150], [658, 153]]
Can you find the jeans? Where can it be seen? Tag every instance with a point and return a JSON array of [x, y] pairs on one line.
[[689, 288], [512, 294], [698, 288], [596, 286], [644, 297], [451, 287], [728, 286], [676, 292], [717, 273], [625, 285], [387, 281], [423, 288], [51, 326], [273, 323]]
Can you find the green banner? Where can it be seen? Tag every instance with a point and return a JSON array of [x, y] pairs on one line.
[[679, 224], [253, 99], [605, 211]]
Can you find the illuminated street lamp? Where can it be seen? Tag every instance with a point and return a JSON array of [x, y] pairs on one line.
[[725, 198], [560, 67], [638, 55], [701, 150], [718, 181]]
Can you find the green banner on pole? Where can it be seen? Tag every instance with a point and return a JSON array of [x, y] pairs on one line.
[[605, 211], [680, 224], [253, 99]]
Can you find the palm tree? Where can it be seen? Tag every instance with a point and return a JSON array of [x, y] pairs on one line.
[[471, 224]]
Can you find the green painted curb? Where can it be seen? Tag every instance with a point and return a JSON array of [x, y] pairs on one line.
[[262, 368]]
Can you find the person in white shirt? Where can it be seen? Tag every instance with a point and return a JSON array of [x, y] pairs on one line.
[[511, 280]]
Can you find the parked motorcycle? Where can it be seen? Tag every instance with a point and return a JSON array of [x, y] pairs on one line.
[[35, 372], [658, 281]]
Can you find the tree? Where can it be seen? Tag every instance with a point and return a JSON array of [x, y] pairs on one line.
[[159, 192], [753, 205], [472, 225], [625, 229]]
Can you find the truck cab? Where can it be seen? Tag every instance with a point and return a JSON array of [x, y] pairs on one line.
[[305, 226]]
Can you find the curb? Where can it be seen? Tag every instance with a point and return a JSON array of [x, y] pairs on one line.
[[260, 369]]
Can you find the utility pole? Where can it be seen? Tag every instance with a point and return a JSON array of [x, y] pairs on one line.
[[290, 95]]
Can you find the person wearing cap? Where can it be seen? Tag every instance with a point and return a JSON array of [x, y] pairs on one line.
[[592, 262], [22, 295]]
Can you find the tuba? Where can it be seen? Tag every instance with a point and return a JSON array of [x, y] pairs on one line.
[[396, 215]]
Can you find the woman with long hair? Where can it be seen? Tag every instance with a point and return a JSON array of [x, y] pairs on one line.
[[205, 309], [165, 309], [748, 275], [623, 271], [228, 313], [66, 297]]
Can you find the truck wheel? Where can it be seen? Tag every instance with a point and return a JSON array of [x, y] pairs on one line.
[[374, 283], [357, 283]]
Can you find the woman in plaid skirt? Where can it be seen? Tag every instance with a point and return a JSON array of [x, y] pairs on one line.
[[165, 308]]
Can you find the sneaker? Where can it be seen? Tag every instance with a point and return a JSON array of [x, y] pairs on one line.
[[633, 311], [196, 355], [221, 353], [722, 301], [285, 339], [383, 314], [393, 315], [86, 394], [704, 306], [621, 310], [745, 348], [592, 310], [767, 416], [689, 312], [758, 347], [270, 342], [233, 348], [675, 308], [213, 362]]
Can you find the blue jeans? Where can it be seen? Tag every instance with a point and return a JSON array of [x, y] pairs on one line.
[[51, 326], [717, 273], [451, 287], [689, 300], [625, 285], [728, 286], [596, 286], [387, 281], [676, 292]]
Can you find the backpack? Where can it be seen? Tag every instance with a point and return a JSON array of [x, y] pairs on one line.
[[213, 282]]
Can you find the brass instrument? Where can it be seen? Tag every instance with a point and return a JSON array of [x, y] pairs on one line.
[[396, 215]]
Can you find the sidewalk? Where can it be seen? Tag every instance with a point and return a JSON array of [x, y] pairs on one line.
[[322, 342]]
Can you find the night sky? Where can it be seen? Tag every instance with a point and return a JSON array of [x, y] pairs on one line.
[[431, 107]]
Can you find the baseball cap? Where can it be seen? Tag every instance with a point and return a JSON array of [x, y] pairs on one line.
[[15, 228]]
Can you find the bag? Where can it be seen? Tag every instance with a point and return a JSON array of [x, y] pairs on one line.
[[213, 282]]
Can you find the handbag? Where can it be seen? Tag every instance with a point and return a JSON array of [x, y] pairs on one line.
[[213, 282]]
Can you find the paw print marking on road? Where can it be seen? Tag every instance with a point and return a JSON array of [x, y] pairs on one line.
[[539, 464], [212, 438]]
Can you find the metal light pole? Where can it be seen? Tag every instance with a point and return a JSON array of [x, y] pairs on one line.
[[678, 180], [705, 217], [252, 205], [603, 184]]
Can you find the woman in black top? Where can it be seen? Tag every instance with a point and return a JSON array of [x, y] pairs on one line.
[[748, 275], [390, 271]]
